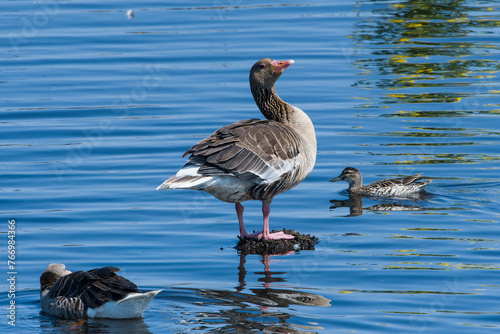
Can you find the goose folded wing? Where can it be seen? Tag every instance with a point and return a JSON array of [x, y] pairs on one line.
[[109, 287], [253, 150], [94, 287], [108, 274], [72, 285]]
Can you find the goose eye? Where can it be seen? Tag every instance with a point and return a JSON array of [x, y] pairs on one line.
[[262, 65]]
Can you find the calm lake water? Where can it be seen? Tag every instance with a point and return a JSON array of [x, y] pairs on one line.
[[97, 110]]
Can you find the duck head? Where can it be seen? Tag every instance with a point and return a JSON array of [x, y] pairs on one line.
[[351, 175]]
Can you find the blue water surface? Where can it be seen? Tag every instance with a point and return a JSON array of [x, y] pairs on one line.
[[96, 110]]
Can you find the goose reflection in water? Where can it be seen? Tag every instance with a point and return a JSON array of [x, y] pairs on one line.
[[355, 204], [280, 297], [276, 297], [50, 324], [256, 309]]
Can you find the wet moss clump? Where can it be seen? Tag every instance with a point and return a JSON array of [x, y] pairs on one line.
[[255, 246]]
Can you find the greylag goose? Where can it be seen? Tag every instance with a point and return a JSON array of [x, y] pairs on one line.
[[253, 159], [388, 187], [98, 293]]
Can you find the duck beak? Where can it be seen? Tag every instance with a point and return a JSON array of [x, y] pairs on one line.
[[280, 66], [335, 179]]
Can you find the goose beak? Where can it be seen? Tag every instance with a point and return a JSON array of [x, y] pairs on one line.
[[280, 66], [68, 272], [335, 179]]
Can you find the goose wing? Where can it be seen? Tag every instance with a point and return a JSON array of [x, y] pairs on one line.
[[94, 287], [261, 151]]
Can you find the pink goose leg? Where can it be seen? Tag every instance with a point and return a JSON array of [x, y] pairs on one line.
[[243, 231], [266, 210], [264, 234]]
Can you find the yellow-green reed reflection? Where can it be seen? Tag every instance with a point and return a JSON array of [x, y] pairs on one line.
[[417, 42], [408, 292], [471, 240], [440, 266], [429, 52], [440, 113], [422, 60], [439, 158]]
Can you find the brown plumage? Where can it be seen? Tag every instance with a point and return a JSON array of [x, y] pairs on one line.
[[253, 159], [260, 152]]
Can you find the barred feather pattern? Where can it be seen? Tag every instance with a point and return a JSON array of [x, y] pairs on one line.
[[270, 104], [392, 187], [64, 307]]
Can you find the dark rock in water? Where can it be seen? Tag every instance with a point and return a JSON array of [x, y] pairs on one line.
[[255, 246]]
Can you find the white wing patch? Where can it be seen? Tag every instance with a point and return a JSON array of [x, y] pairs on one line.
[[277, 169]]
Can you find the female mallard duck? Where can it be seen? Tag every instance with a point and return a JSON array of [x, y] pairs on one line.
[[253, 159], [388, 187], [97, 293]]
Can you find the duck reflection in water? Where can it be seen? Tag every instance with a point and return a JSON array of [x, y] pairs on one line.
[[355, 204]]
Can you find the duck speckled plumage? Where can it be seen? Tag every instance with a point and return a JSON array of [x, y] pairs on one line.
[[253, 159], [388, 187], [97, 293]]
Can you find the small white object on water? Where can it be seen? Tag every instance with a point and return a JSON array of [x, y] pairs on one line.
[[130, 14]]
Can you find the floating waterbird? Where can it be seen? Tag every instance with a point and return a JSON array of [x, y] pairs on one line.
[[388, 187], [97, 293]]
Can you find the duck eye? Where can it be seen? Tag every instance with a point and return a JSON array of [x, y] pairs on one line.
[[262, 65]]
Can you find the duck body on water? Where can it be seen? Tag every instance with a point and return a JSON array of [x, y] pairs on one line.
[[397, 187], [253, 159]]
